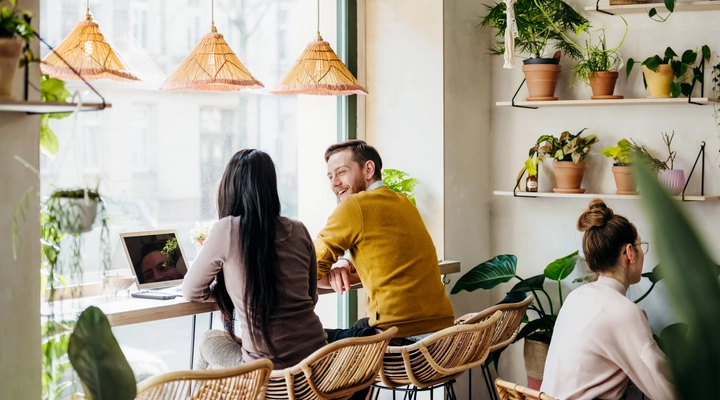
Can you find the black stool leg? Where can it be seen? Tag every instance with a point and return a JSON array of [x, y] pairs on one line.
[[487, 375]]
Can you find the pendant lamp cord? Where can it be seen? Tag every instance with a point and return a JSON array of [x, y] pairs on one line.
[[212, 17], [319, 38]]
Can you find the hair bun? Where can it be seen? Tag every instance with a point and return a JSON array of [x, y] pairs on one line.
[[596, 215]]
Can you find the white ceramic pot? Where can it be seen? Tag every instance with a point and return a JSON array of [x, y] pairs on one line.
[[77, 215], [10, 50], [673, 180]]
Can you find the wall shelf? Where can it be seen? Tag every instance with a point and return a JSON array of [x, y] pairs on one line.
[[660, 7], [39, 107], [595, 195], [619, 102]]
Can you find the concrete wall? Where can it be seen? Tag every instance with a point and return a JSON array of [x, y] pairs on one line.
[[20, 355]]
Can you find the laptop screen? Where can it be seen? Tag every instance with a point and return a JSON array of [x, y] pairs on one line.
[[156, 257]]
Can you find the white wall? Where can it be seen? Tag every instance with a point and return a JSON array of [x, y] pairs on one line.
[[541, 230], [20, 279]]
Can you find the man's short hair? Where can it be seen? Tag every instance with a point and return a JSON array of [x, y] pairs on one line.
[[361, 153]]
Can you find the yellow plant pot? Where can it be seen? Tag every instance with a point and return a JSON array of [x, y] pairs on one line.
[[658, 83]]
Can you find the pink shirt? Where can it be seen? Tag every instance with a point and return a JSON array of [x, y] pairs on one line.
[[601, 342]]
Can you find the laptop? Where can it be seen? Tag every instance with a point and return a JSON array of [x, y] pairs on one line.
[[157, 261]]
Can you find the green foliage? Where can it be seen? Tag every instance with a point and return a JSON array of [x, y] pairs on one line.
[[680, 68], [51, 90], [15, 22], [540, 24], [55, 361], [397, 181], [620, 153], [96, 357], [170, 250], [567, 147], [691, 278], [653, 14], [596, 57], [531, 166]]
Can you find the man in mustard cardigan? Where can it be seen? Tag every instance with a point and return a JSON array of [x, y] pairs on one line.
[[392, 252]]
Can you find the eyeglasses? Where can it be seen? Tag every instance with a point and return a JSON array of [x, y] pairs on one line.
[[644, 246]]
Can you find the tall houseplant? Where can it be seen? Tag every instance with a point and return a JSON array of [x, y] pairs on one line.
[[568, 152], [537, 38], [598, 67]]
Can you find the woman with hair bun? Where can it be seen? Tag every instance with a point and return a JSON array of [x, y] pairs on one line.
[[602, 340]]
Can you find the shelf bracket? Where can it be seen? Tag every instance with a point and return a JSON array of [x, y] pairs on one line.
[[515, 95], [702, 172], [702, 83], [27, 80], [597, 8], [517, 186]]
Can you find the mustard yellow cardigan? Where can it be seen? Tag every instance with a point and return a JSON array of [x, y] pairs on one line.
[[394, 257]]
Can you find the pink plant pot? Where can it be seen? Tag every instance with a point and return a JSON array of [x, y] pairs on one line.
[[673, 180]]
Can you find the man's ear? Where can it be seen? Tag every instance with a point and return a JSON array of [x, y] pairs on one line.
[[369, 169]]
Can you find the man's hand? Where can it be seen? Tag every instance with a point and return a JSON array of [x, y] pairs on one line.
[[341, 277]]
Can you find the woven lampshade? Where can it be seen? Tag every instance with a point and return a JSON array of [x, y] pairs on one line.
[[211, 65], [86, 50], [318, 71]]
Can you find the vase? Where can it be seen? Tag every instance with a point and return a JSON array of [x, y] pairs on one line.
[[535, 353], [569, 176], [541, 75], [10, 50], [658, 82], [624, 179], [673, 180]]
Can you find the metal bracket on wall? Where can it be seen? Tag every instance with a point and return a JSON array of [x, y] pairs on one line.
[[515, 95], [597, 8], [517, 186], [702, 173], [702, 83]]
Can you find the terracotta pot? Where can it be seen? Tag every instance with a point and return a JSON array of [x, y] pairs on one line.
[[541, 79], [658, 83], [673, 180], [569, 176], [10, 50], [624, 179], [603, 83], [535, 354]]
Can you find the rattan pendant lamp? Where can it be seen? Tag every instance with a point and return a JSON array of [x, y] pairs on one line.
[[211, 65], [318, 71], [86, 53]]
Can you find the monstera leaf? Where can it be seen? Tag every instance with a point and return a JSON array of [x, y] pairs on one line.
[[96, 357], [499, 269]]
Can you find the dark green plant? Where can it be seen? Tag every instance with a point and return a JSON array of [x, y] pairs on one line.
[[399, 182], [691, 279], [98, 360], [680, 67], [653, 14], [536, 22], [16, 22], [567, 147]]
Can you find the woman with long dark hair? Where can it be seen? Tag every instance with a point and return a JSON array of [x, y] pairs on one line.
[[259, 265]]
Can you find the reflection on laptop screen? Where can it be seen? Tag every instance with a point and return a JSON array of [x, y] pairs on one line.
[[156, 257]]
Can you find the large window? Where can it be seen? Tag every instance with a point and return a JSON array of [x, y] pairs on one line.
[[158, 155]]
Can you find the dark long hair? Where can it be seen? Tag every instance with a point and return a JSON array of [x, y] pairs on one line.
[[248, 189]]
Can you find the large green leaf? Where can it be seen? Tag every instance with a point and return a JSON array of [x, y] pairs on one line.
[[689, 275], [513, 297], [98, 360], [562, 267], [487, 275], [536, 282], [654, 276]]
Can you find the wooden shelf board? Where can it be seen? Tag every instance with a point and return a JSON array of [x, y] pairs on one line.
[[38, 107], [567, 103], [660, 7], [594, 195]]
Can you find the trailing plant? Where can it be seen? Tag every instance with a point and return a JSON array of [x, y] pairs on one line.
[[399, 182], [596, 57], [55, 361], [540, 24], [567, 147], [653, 14], [51, 90], [620, 153], [680, 67]]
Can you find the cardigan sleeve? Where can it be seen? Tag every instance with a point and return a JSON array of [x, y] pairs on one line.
[[342, 232], [207, 264]]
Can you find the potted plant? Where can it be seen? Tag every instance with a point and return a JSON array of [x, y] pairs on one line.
[[15, 33], [531, 183], [667, 76], [537, 37], [399, 182], [537, 332], [568, 153], [672, 179], [75, 209], [598, 67], [621, 169]]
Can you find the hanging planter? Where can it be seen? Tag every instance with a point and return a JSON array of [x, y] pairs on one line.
[[74, 210]]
